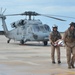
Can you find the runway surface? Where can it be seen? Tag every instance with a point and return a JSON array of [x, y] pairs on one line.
[[31, 58]]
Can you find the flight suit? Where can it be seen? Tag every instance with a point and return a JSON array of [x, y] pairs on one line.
[[69, 40], [54, 36]]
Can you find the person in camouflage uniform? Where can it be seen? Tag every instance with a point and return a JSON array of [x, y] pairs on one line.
[[69, 40], [54, 36]]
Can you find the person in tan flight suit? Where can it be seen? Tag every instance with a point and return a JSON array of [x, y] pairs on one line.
[[54, 36], [69, 40]]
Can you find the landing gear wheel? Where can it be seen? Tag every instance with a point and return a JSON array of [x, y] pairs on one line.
[[45, 43], [22, 42], [8, 41]]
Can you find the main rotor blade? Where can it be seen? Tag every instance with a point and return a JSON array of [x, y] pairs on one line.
[[63, 16], [30, 13], [53, 17], [12, 14]]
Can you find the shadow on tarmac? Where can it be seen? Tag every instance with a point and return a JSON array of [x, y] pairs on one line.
[[32, 44]]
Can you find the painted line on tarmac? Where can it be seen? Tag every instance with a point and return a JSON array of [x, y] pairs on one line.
[[32, 63]]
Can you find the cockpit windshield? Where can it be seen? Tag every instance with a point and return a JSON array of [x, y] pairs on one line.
[[36, 28], [42, 28], [47, 27]]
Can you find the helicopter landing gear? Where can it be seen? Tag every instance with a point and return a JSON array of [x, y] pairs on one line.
[[45, 43], [8, 40], [22, 42]]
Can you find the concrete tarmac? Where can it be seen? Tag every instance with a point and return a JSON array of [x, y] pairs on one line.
[[30, 59]]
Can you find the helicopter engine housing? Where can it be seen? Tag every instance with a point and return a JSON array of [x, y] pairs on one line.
[[18, 23]]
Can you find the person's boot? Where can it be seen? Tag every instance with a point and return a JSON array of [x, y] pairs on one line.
[[53, 62], [69, 67], [72, 65], [59, 62]]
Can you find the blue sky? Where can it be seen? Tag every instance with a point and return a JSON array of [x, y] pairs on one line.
[[50, 7]]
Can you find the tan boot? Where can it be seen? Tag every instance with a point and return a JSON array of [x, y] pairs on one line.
[[69, 66], [72, 65]]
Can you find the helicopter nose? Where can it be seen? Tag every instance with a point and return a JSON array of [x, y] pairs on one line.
[[46, 37], [41, 36]]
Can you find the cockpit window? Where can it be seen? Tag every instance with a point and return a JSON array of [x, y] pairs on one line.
[[42, 28], [47, 27], [36, 28]]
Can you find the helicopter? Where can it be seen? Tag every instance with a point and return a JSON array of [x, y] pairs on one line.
[[27, 29]]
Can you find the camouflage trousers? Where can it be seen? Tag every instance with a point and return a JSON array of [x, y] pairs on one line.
[[70, 53], [53, 49]]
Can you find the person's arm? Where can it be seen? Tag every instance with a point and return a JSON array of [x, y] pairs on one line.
[[51, 38]]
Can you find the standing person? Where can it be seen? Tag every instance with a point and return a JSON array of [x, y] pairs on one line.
[[54, 36], [69, 40]]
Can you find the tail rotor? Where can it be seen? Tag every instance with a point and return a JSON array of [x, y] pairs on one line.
[[2, 11], [2, 14]]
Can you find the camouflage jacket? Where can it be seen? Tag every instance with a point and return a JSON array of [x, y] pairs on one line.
[[69, 37], [54, 36]]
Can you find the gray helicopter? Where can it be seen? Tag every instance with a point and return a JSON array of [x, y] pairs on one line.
[[27, 29]]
